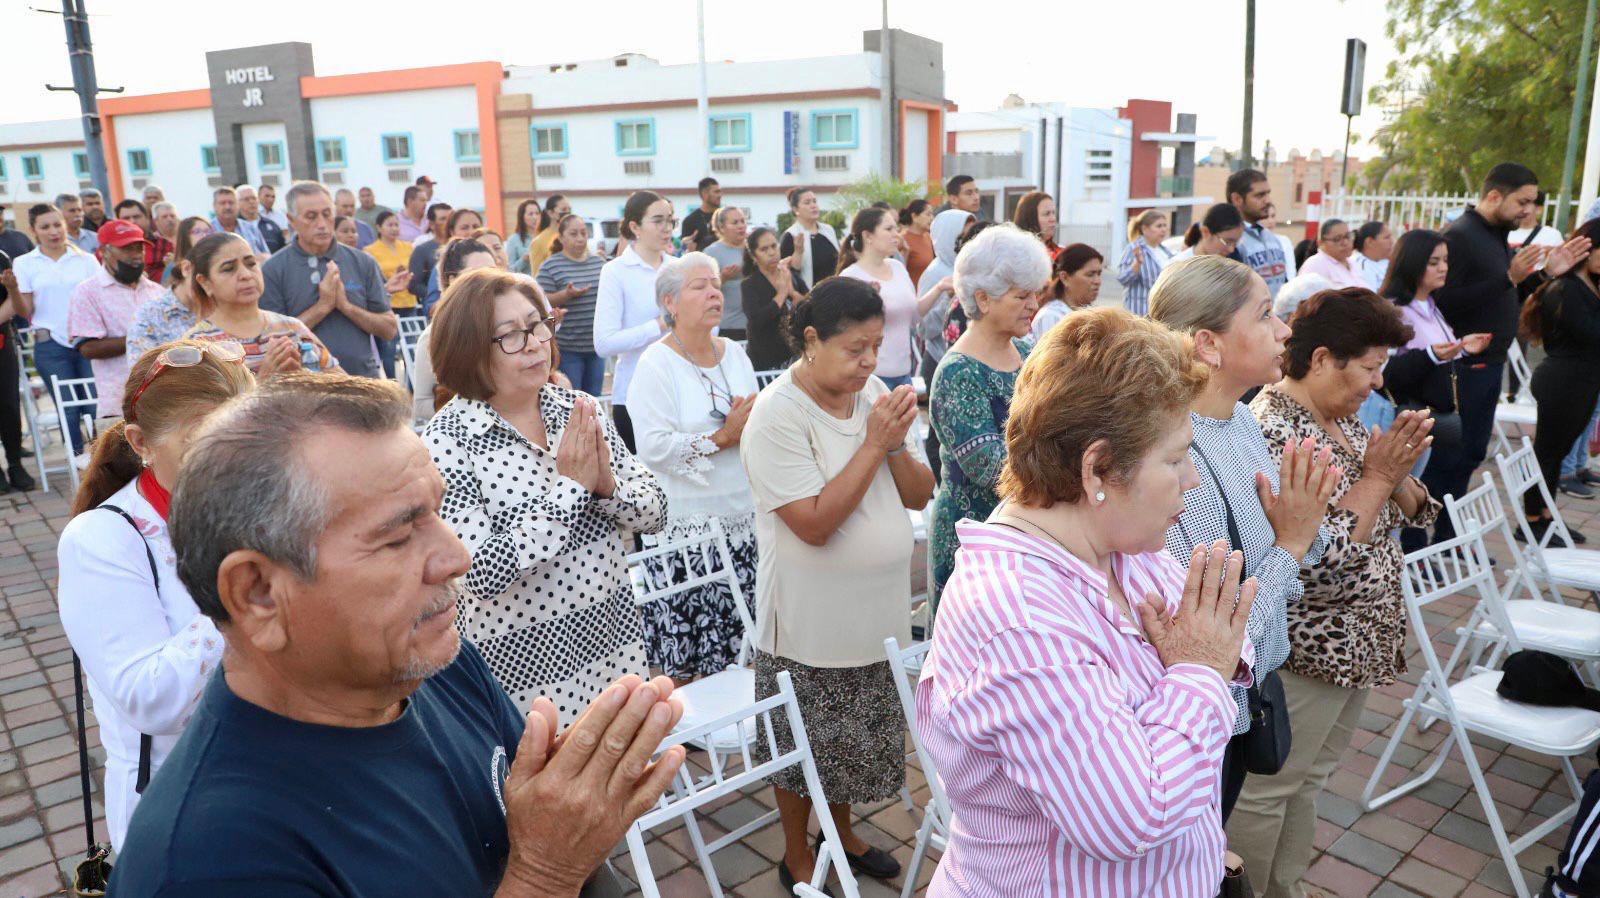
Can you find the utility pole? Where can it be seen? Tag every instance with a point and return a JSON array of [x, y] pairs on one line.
[[1591, 156], [1246, 159], [704, 102], [889, 119], [81, 54], [1578, 97]]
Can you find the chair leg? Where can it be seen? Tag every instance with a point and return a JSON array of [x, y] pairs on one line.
[[1496, 828], [698, 840], [905, 798], [1368, 802], [918, 852], [641, 864]]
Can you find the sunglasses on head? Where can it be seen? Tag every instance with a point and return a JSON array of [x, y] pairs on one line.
[[185, 355]]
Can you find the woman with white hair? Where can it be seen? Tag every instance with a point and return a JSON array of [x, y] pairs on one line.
[[691, 396], [998, 277], [1297, 291]]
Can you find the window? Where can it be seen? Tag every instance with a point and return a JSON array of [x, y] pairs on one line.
[[396, 149], [208, 158], [2, 168], [80, 165], [834, 129], [139, 161], [33, 167], [1099, 167], [330, 152], [549, 141], [269, 156], [730, 134], [467, 146], [636, 137]]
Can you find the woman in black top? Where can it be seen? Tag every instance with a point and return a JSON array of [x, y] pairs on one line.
[[1564, 314], [771, 289]]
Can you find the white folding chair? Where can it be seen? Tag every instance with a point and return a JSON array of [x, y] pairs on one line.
[[1520, 413], [1539, 623], [766, 377], [74, 393], [935, 829], [1551, 563], [1472, 704], [36, 421], [707, 560], [689, 795], [411, 328]]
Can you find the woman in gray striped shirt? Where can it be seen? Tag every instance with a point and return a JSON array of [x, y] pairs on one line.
[[1226, 308], [569, 278]]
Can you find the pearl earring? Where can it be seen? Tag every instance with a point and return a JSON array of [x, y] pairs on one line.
[[1100, 497]]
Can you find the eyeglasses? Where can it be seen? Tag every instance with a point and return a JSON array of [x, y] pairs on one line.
[[1227, 242], [1342, 238], [185, 355], [515, 341]]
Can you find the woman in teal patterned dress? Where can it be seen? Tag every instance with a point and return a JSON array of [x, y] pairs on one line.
[[998, 280]]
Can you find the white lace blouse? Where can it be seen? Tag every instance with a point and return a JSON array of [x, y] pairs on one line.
[[671, 401]]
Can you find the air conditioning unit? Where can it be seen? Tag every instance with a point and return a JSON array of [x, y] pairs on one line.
[[35, 187], [138, 184], [831, 162], [333, 177], [85, 185], [216, 181], [727, 165], [399, 176], [549, 170], [270, 180], [472, 173], [4, 188], [638, 167]]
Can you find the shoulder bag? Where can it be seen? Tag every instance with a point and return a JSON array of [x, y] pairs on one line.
[[1266, 743]]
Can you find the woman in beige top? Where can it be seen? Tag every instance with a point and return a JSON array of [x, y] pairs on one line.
[[833, 471]]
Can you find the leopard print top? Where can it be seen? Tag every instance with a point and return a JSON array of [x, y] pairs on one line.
[[1350, 627]]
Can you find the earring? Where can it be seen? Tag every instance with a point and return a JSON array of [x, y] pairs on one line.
[[1099, 497]]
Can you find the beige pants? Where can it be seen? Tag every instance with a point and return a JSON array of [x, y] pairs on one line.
[[1276, 816]]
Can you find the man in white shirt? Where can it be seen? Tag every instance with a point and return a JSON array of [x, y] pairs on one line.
[[269, 199]]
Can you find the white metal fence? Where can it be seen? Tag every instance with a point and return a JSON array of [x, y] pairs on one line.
[[1404, 211]]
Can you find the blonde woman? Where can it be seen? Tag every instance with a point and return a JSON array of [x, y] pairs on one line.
[[1143, 260]]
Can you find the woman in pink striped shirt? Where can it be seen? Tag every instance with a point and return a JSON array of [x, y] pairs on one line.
[[1076, 700]]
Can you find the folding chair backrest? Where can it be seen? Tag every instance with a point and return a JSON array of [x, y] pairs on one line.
[[906, 663], [1480, 510], [704, 560], [691, 793], [412, 326], [766, 377], [1523, 373], [75, 392], [1521, 474], [1459, 566]]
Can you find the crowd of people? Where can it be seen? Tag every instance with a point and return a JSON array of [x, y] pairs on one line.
[[302, 610]]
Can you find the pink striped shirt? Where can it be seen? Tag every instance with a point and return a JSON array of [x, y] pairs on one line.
[[1075, 762]]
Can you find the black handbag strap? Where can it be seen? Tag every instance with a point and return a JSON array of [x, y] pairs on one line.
[[1227, 511]]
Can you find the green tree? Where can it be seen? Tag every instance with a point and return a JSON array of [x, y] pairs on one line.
[[1476, 82]]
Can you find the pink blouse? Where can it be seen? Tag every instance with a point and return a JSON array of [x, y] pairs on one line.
[[1076, 763], [1428, 325]]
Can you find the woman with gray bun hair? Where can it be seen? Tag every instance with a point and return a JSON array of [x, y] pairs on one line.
[[998, 278], [691, 396]]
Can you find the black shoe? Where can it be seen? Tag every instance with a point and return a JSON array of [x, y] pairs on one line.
[[20, 479], [1539, 527], [874, 862], [25, 453], [787, 880], [1573, 486], [1577, 536], [1589, 476]]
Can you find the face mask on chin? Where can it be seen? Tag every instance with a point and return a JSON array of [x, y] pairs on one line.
[[128, 273]]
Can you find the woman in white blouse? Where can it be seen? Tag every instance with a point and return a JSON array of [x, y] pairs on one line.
[[144, 644], [541, 489], [626, 318], [692, 395], [868, 255]]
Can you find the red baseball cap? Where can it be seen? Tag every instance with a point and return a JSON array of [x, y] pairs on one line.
[[118, 232]]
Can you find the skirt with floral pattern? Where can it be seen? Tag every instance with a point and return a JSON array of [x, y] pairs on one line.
[[698, 632]]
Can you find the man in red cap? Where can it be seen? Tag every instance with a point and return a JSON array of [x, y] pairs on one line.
[[103, 307]]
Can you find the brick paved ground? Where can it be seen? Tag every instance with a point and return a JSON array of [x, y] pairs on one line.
[[1431, 844]]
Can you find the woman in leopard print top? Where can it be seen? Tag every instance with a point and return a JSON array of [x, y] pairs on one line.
[[1347, 634]]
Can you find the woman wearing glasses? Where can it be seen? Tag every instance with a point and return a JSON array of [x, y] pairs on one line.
[[692, 394], [540, 488], [227, 283], [1216, 234], [146, 648], [626, 318], [1335, 246]]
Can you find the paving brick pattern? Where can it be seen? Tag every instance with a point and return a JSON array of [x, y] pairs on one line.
[[1432, 843]]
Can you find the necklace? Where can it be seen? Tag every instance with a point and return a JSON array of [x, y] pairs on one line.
[[711, 386]]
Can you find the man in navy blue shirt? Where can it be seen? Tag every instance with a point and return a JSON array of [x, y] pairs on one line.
[[351, 744]]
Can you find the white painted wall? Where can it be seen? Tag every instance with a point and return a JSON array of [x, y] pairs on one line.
[[26, 138], [174, 140], [644, 79], [914, 165], [252, 136], [430, 116]]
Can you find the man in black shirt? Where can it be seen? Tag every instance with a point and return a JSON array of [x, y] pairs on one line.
[[697, 224], [351, 744], [94, 208], [1482, 294]]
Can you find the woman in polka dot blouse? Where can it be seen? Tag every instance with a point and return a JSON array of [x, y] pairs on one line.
[[544, 494]]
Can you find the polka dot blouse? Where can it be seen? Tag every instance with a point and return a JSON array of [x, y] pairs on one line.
[[550, 606]]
